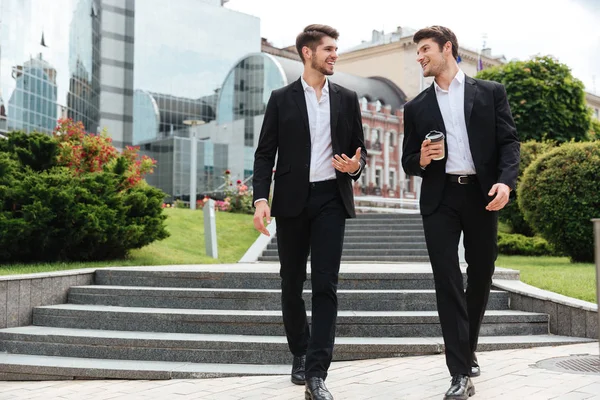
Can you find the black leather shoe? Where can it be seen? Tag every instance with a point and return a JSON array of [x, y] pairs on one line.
[[475, 369], [316, 390], [298, 370], [461, 388]]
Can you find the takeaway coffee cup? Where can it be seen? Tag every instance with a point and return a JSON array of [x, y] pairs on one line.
[[437, 137]]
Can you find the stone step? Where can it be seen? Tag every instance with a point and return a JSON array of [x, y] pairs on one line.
[[223, 349], [259, 299], [384, 224], [269, 322], [266, 276], [416, 238], [369, 253], [383, 232], [387, 217], [357, 245], [372, 259], [24, 367]]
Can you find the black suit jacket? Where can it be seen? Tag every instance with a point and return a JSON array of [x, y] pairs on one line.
[[492, 138], [285, 132]]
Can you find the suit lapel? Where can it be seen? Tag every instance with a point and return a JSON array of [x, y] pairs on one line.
[[470, 93], [432, 104], [300, 100], [334, 108]]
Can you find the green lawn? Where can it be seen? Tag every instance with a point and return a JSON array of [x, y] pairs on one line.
[[556, 274], [235, 233]]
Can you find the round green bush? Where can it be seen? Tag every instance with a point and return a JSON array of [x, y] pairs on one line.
[[511, 214], [559, 195]]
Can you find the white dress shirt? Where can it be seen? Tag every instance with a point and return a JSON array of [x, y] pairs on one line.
[[452, 106], [319, 122]]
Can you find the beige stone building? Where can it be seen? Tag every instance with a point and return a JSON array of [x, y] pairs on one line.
[[593, 101]]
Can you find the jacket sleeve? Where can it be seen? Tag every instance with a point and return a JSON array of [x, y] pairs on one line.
[[264, 156], [506, 139], [358, 138], [411, 147]]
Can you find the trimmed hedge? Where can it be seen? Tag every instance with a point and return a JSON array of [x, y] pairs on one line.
[[516, 244], [560, 194]]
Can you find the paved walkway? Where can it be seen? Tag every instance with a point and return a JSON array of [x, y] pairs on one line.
[[506, 374]]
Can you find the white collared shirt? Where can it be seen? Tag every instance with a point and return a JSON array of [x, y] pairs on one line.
[[452, 106], [319, 121]]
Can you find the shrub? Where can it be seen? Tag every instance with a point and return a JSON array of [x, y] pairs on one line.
[[516, 244], [511, 214], [74, 197], [559, 195], [238, 198]]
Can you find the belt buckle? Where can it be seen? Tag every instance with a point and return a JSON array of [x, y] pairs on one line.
[[466, 182]]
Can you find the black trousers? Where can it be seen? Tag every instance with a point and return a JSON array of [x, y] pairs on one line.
[[461, 312], [319, 229]]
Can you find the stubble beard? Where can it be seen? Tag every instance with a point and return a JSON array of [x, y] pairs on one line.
[[320, 68]]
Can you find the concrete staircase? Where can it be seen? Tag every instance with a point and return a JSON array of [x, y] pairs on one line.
[[225, 320], [376, 238]]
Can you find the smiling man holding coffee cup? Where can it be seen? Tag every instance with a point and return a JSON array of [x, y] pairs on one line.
[[460, 137]]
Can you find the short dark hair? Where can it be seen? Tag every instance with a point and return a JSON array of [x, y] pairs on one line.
[[311, 37], [440, 35]]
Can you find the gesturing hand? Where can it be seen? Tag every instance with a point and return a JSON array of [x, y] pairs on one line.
[[502, 192], [346, 164]]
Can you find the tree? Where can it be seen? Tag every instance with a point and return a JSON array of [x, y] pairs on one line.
[[546, 101]]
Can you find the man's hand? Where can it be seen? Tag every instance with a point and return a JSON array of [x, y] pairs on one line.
[[346, 164], [502, 192], [262, 211], [429, 151]]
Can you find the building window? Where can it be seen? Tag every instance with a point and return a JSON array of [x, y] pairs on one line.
[[392, 182], [392, 137], [378, 106], [364, 103], [366, 131], [378, 177]]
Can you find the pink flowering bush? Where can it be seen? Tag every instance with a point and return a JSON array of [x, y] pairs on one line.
[[239, 196]]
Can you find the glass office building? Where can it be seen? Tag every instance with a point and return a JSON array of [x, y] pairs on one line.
[[49, 63], [179, 70], [67, 59], [180, 67]]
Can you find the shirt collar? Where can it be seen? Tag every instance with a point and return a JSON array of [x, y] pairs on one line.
[[306, 85], [459, 77]]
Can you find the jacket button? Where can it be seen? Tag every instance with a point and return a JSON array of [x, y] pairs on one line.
[[305, 165]]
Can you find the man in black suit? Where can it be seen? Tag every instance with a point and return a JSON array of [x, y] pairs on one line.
[[461, 192], [311, 124]]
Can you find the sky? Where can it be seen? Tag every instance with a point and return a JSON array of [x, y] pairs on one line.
[[517, 29]]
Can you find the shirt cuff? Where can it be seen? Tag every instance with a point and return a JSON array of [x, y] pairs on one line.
[[257, 200], [357, 172]]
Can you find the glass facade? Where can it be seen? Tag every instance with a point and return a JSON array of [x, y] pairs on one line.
[[179, 72], [173, 157], [49, 63], [242, 103]]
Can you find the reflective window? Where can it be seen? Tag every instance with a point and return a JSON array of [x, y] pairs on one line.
[[49, 64]]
